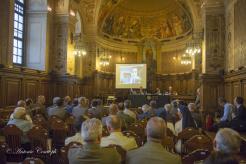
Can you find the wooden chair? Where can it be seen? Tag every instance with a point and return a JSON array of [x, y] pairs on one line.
[[186, 134], [13, 139], [105, 132], [59, 133], [33, 161], [38, 137], [139, 139], [63, 158], [70, 121], [40, 121], [121, 151], [137, 128], [198, 142], [168, 144], [3, 148], [197, 155]]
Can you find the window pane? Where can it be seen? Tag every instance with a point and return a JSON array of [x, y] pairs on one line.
[[18, 32]]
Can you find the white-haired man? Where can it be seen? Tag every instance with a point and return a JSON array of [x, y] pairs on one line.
[[153, 151], [81, 109], [91, 152], [116, 137], [227, 141]]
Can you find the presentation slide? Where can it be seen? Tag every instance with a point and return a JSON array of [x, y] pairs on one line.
[[130, 76]]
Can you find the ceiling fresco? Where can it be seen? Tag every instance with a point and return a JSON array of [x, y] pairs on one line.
[[139, 19]]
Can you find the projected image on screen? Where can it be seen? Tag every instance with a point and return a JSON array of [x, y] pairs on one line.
[[130, 75]]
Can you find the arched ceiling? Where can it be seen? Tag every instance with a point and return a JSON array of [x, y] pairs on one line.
[[135, 20]]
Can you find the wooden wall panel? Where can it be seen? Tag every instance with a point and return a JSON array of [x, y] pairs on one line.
[[236, 90], [31, 89], [12, 91]]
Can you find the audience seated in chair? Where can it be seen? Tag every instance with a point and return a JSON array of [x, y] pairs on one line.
[[153, 151], [77, 137], [116, 137], [21, 103], [19, 120], [239, 121], [127, 119], [68, 104], [146, 112], [185, 121], [95, 111], [195, 115], [81, 109], [128, 110], [91, 152], [39, 107], [226, 118], [58, 110]]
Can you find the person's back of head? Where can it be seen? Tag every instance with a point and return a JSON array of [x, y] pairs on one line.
[[121, 106], [227, 141], [75, 102], [19, 113], [78, 124], [153, 104], [55, 100], [113, 109], [29, 102], [41, 99], [127, 104], [82, 101], [168, 107], [94, 103], [91, 131], [59, 102], [146, 108], [156, 129], [113, 123], [220, 158], [67, 100], [191, 107], [21, 103]]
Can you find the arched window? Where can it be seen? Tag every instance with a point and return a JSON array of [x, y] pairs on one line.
[[18, 42]]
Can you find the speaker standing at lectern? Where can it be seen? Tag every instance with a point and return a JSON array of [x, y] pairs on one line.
[[158, 91]]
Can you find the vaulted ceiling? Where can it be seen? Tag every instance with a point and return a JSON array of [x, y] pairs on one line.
[[135, 20]]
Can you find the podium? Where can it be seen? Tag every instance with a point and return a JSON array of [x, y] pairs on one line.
[[140, 100]]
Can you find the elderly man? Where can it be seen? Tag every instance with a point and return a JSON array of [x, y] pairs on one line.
[[153, 151], [146, 112], [91, 152], [128, 111], [19, 119], [81, 109], [95, 111], [116, 137], [22, 104], [112, 111], [127, 119], [58, 110], [195, 115], [227, 141], [40, 106]]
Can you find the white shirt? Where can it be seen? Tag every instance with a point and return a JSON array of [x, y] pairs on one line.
[[130, 113], [117, 138], [76, 138], [178, 129]]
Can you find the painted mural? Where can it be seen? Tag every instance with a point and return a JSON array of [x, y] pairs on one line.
[[126, 26]]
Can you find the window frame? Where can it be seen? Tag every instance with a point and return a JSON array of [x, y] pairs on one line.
[[23, 5]]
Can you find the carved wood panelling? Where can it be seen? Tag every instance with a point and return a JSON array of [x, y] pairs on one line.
[[12, 91]]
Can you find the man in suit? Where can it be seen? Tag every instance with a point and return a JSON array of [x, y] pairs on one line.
[[91, 152], [81, 109], [95, 111], [153, 151], [239, 122], [59, 110]]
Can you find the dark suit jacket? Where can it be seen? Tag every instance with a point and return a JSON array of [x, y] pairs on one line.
[[151, 152], [241, 113], [93, 154]]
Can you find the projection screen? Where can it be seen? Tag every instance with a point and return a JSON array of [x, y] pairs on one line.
[[130, 76]]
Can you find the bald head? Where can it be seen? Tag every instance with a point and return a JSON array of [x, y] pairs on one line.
[[113, 123], [156, 129]]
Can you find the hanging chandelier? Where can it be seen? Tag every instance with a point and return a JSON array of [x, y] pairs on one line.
[[104, 58], [193, 47], [186, 59]]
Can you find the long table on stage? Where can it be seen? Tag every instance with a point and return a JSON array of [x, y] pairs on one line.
[[139, 100]]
